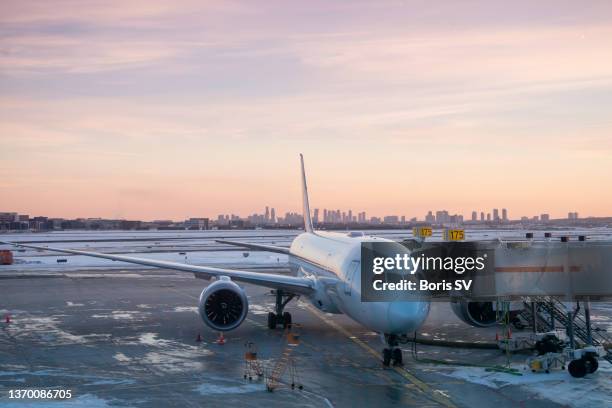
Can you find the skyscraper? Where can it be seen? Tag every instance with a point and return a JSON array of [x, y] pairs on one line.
[[474, 216], [429, 218], [362, 217], [267, 216], [273, 216], [442, 217], [482, 216], [495, 214], [504, 215], [315, 218]]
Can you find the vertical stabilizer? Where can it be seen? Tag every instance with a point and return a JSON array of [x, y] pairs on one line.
[[305, 205]]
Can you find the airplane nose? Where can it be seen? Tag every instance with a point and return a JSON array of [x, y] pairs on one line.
[[406, 317]]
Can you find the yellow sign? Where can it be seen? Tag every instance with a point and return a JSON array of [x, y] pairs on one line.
[[422, 232], [454, 235]]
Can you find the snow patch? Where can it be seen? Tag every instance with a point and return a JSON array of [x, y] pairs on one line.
[[143, 306], [123, 315], [558, 386], [168, 355], [211, 389], [121, 357], [186, 309], [47, 329], [259, 309], [82, 401]]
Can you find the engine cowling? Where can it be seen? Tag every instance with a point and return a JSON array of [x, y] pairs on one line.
[[477, 314], [223, 305]]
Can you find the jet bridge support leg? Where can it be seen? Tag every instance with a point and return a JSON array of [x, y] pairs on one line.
[[587, 320], [551, 307], [280, 317], [534, 317], [570, 327]]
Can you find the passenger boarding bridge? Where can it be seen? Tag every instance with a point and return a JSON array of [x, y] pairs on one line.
[[551, 280]]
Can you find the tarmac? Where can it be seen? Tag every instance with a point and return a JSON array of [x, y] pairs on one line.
[[129, 338]]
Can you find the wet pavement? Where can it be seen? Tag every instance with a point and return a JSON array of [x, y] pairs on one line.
[[130, 339]]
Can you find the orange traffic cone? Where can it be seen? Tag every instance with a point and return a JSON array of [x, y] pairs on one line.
[[199, 338], [221, 339]]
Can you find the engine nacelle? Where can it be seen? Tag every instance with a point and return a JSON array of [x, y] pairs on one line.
[[477, 314], [223, 305]]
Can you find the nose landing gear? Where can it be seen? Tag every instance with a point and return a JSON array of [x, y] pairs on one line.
[[392, 353], [280, 317]]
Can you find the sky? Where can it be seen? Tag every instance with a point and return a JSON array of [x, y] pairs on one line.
[[166, 110]]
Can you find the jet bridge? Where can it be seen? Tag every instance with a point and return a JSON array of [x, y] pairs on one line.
[[564, 269], [552, 280]]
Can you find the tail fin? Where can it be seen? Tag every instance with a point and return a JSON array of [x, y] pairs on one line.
[[305, 205]]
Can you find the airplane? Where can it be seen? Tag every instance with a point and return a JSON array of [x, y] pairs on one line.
[[325, 270]]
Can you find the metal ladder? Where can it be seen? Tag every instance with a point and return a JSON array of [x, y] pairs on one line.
[[551, 308], [286, 361], [279, 369]]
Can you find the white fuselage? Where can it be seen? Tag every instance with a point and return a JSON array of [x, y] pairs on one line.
[[333, 261]]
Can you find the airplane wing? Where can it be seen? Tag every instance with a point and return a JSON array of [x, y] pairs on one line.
[[290, 284], [261, 247]]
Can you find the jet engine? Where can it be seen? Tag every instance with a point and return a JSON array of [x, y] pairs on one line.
[[477, 314], [223, 305]]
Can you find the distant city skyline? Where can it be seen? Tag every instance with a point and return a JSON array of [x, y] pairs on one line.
[[269, 215], [158, 109]]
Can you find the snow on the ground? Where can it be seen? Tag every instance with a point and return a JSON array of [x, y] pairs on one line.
[[47, 328], [594, 390], [82, 401], [37, 262], [164, 355], [123, 315], [210, 389], [193, 309]]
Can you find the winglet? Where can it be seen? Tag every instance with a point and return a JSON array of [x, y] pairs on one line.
[[305, 205]]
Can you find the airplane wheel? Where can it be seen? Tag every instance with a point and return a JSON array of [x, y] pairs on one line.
[[286, 320], [577, 368], [271, 321], [397, 357], [387, 357], [592, 364]]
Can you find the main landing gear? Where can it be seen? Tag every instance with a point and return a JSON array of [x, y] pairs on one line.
[[392, 353], [280, 317]]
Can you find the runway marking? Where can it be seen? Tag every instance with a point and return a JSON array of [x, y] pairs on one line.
[[435, 395]]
